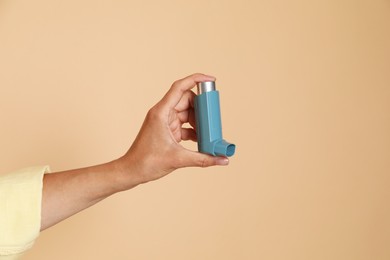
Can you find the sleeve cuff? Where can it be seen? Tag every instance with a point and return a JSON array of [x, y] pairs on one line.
[[20, 209]]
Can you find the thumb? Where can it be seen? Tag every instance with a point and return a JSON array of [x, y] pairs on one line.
[[196, 159]]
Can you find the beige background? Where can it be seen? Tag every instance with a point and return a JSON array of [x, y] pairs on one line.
[[305, 92]]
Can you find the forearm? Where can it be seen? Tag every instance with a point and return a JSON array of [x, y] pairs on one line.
[[68, 192]]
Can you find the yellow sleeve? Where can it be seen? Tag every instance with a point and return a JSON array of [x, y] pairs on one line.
[[20, 210]]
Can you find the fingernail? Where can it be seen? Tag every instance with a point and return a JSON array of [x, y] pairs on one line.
[[223, 161]]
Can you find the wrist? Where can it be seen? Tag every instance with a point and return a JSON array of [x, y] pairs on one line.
[[127, 175]]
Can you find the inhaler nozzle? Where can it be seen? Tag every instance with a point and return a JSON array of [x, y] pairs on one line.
[[224, 148]]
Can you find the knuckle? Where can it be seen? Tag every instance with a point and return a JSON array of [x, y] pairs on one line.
[[203, 162], [177, 86], [153, 113], [176, 83]]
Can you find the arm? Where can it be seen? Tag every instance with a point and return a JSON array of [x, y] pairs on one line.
[[155, 153]]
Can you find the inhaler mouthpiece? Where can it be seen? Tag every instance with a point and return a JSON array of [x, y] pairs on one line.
[[208, 122]]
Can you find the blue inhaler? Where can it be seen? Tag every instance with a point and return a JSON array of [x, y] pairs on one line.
[[208, 122]]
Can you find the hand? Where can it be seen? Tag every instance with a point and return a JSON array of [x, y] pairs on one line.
[[157, 151]]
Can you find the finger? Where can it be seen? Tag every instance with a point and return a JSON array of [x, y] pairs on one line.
[[175, 93], [191, 118], [196, 159], [187, 116], [184, 116], [186, 101], [188, 134]]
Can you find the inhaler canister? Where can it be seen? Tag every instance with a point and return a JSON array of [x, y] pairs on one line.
[[208, 122]]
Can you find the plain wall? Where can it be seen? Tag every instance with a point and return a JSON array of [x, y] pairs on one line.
[[305, 95]]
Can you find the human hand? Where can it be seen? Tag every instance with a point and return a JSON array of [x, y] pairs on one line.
[[157, 151]]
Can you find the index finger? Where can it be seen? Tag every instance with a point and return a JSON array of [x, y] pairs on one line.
[[179, 87]]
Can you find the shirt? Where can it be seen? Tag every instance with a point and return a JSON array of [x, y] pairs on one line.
[[20, 210]]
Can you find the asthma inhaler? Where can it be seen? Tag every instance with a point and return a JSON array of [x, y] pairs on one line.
[[208, 122]]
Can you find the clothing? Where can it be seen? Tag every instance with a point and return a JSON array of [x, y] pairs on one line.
[[20, 210]]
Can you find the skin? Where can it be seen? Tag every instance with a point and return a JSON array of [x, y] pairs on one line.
[[155, 153]]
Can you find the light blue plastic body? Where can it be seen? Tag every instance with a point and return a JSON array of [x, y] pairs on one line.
[[209, 126]]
